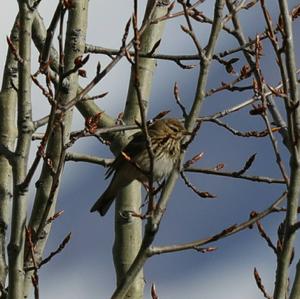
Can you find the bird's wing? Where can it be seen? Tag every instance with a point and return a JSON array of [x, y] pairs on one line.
[[136, 145]]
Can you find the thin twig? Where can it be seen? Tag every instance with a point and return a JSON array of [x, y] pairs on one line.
[[202, 194], [276, 150], [100, 75], [77, 157], [266, 237], [60, 248], [178, 101], [221, 235], [235, 132], [45, 53], [259, 179], [35, 283], [178, 14], [190, 30], [260, 284]]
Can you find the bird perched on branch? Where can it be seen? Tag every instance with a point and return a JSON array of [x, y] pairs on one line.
[[133, 163]]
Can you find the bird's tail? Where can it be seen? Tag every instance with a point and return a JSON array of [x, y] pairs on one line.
[[103, 203], [120, 180]]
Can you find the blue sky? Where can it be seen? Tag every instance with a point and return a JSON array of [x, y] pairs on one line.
[[85, 269]]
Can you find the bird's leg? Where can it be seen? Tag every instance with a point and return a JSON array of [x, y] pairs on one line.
[[159, 188], [153, 192]]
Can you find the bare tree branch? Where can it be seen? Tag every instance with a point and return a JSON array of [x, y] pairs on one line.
[[16, 245], [76, 157], [260, 179], [8, 100], [153, 222], [223, 234]]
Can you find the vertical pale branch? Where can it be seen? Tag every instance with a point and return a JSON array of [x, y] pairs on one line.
[[154, 221], [8, 133], [284, 258], [295, 292], [86, 108], [25, 130], [282, 272], [128, 232], [293, 195], [149, 38], [290, 59], [48, 185], [205, 63]]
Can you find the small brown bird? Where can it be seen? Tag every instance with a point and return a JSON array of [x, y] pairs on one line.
[[134, 163]]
